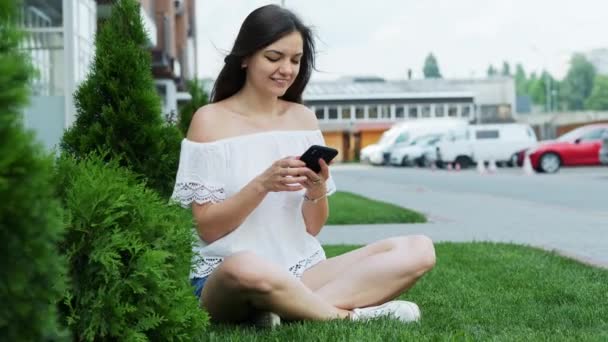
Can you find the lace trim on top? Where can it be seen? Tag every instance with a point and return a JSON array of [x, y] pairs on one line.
[[206, 265], [186, 193]]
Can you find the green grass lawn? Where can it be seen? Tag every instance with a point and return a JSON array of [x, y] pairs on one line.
[[348, 208], [476, 292]]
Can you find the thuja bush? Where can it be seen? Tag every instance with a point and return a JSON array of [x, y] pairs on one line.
[[128, 255], [118, 109], [32, 271]]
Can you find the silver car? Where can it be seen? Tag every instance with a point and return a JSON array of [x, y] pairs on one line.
[[604, 150]]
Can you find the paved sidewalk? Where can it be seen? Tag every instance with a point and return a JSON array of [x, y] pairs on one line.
[[463, 217]]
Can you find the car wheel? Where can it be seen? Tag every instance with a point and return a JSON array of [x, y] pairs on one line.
[[549, 162], [464, 162], [404, 161], [422, 162]]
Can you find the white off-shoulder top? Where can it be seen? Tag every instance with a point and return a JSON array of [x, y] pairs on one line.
[[275, 230]]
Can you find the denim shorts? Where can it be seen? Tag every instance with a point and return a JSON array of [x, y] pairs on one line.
[[198, 284]]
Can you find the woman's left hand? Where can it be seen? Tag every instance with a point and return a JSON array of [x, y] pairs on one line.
[[315, 182]]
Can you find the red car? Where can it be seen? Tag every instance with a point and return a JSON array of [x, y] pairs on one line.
[[577, 147]]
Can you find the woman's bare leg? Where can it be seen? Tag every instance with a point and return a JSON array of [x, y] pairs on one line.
[[244, 283], [372, 274]]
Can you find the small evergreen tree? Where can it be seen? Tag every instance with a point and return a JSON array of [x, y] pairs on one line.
[[199, 99], [32, 272], [491, 71], [431, 67], [118, 109], [129, 257]]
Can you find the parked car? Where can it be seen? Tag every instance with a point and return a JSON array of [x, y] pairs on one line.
[[402, 134], [604, 150], [498, 142], [580, 146], [414, 153]]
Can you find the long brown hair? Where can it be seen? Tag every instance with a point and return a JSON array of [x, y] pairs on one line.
[[261, 28]]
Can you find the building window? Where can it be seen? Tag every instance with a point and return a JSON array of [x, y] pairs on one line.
[[413, 111], [320, 112], [372, 112], [439, 110], [360, 113], [452, 110], [385, 111], [399, 112], [333, 113], [466, 111], [345, 112], [426, 111]]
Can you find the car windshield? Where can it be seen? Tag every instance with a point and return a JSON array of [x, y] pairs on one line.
[[387, 137]]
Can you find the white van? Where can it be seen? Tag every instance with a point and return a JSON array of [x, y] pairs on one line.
[[402, 134], [498, 142]]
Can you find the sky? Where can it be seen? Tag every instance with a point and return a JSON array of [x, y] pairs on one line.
[[387, 37]]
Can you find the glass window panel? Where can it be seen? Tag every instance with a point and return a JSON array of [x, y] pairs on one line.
[[320, 112], [360, 112], [372, 112], [346, 112], [439, 110], [333, 113], [413, 111], [426, 111], [399, 111]]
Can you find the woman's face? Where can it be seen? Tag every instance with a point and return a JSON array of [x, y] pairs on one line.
[[274, 68]]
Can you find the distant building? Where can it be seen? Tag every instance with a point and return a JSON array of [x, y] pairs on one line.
[[353, 113], [61, 44], [599, 59]]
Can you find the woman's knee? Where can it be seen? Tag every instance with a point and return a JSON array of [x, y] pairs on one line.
[[419, 250], [246, 271]]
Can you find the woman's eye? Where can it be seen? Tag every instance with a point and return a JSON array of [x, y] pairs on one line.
[[272, 59], [296, 62]]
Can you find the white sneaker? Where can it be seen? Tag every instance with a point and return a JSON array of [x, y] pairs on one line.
[[398, 309], [266, 320]]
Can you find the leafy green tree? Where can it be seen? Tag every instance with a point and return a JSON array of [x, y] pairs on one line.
[[491, 71], [118, 110], [431, 67], [578, 83], [199, 99], [520, 80], [506, 69], [598, 100], [32, 276]]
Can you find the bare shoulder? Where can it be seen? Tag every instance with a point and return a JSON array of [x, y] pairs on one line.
[[306, 118], [206, 123]]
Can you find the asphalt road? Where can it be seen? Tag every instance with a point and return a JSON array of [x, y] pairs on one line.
[[567, 211]]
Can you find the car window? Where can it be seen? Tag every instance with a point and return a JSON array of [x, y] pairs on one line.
[[402, 138], [487, 134], [595, 134]]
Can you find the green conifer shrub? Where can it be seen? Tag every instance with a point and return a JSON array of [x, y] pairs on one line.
[[118, 109], [129, 256], [32, 272]]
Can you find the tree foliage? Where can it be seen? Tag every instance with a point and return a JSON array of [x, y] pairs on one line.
[[431, 67], [118, 109], [32, 272]]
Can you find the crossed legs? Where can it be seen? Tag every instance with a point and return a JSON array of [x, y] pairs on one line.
[[371, 275]]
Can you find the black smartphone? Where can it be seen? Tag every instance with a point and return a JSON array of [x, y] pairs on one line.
[[314, 152]]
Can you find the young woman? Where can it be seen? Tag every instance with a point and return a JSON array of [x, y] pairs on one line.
[[258, 208]]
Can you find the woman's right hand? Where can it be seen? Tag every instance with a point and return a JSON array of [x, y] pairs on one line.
[[285, 174]]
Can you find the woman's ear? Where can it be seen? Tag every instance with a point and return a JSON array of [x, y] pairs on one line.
[[244, 62]]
